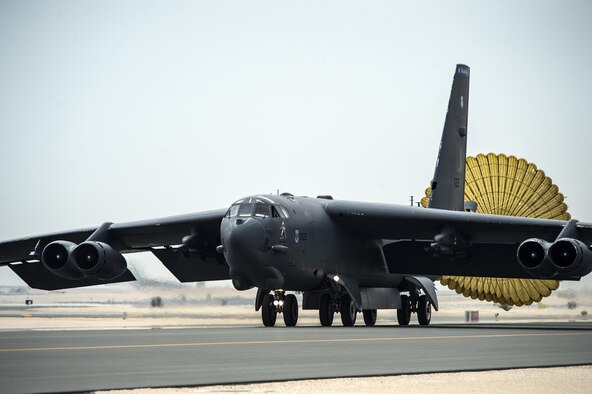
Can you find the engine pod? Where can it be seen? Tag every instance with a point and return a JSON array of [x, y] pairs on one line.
[[532, 256], [56, 257], [98, 260], [571, 256]]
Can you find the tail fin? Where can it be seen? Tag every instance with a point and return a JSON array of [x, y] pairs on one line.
[[448, 184]]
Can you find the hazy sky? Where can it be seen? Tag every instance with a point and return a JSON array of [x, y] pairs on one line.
[[124, 110]]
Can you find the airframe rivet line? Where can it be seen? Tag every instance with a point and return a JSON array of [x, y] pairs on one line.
[[294, 341]]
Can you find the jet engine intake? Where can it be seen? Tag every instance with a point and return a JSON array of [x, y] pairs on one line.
[[571, 256], [532, 256], [98, 260], [56, 258]]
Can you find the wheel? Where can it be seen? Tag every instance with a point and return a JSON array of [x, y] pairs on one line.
[[424, 310], [268, 311], [348, 311], [326, 310], [404, 313], [290, 310], [369, 316]]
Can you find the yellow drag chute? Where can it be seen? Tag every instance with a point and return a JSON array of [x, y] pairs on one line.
[[505, 185]]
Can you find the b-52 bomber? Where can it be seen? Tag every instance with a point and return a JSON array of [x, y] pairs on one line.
[[343, 256]]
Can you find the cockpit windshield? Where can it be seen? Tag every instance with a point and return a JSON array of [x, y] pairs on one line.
[[255, 207], [245, 210], [261, 210]]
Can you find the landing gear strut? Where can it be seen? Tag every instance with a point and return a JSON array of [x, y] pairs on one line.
[[279, 302]]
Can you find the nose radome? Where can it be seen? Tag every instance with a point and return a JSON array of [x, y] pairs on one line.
[[247, 235], [244, 251]]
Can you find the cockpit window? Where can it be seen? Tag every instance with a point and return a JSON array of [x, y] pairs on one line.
[[261, 210], [257, 208], [245, 210], [278, 212], [232, 211], [275, 213]]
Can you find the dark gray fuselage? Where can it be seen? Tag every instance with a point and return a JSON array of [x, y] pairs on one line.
[[310, 244]]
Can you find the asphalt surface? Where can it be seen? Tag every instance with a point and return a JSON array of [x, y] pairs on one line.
[[84, 360]]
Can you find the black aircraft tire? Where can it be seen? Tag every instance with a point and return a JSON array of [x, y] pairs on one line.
[[404, 313], [369, 317], [348, 311], [268, 311], [290, 310], [326, 311], [424, 311]]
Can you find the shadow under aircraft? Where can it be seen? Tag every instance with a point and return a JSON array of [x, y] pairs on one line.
[[344, 257]]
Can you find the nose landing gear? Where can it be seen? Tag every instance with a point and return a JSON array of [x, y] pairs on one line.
[[279, 302]]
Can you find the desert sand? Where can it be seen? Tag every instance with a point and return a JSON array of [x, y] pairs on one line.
[[524, 381]]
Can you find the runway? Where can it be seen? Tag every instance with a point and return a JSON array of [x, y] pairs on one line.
[[86, 360]]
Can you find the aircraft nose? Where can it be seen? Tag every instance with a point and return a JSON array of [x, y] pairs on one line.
[[246, 235], [244, 249]]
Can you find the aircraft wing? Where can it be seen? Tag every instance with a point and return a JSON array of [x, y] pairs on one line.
[[490, 241], [198, 261]]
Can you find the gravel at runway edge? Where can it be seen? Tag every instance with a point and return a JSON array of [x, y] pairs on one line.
[[577, 379]]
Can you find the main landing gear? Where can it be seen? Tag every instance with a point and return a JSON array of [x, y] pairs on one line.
[[414, 303], [279, 302], [332, 302], [329, 304]]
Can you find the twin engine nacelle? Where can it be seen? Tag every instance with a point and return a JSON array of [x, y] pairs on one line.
[[90, 259], [564, 257]]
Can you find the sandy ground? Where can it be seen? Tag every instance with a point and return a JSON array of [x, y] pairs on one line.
[[536, 380], [126, 306]]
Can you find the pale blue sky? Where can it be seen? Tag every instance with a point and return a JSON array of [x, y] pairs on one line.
[[124, 110]]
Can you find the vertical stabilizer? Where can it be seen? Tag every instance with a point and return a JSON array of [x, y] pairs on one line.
[[448, 184]]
